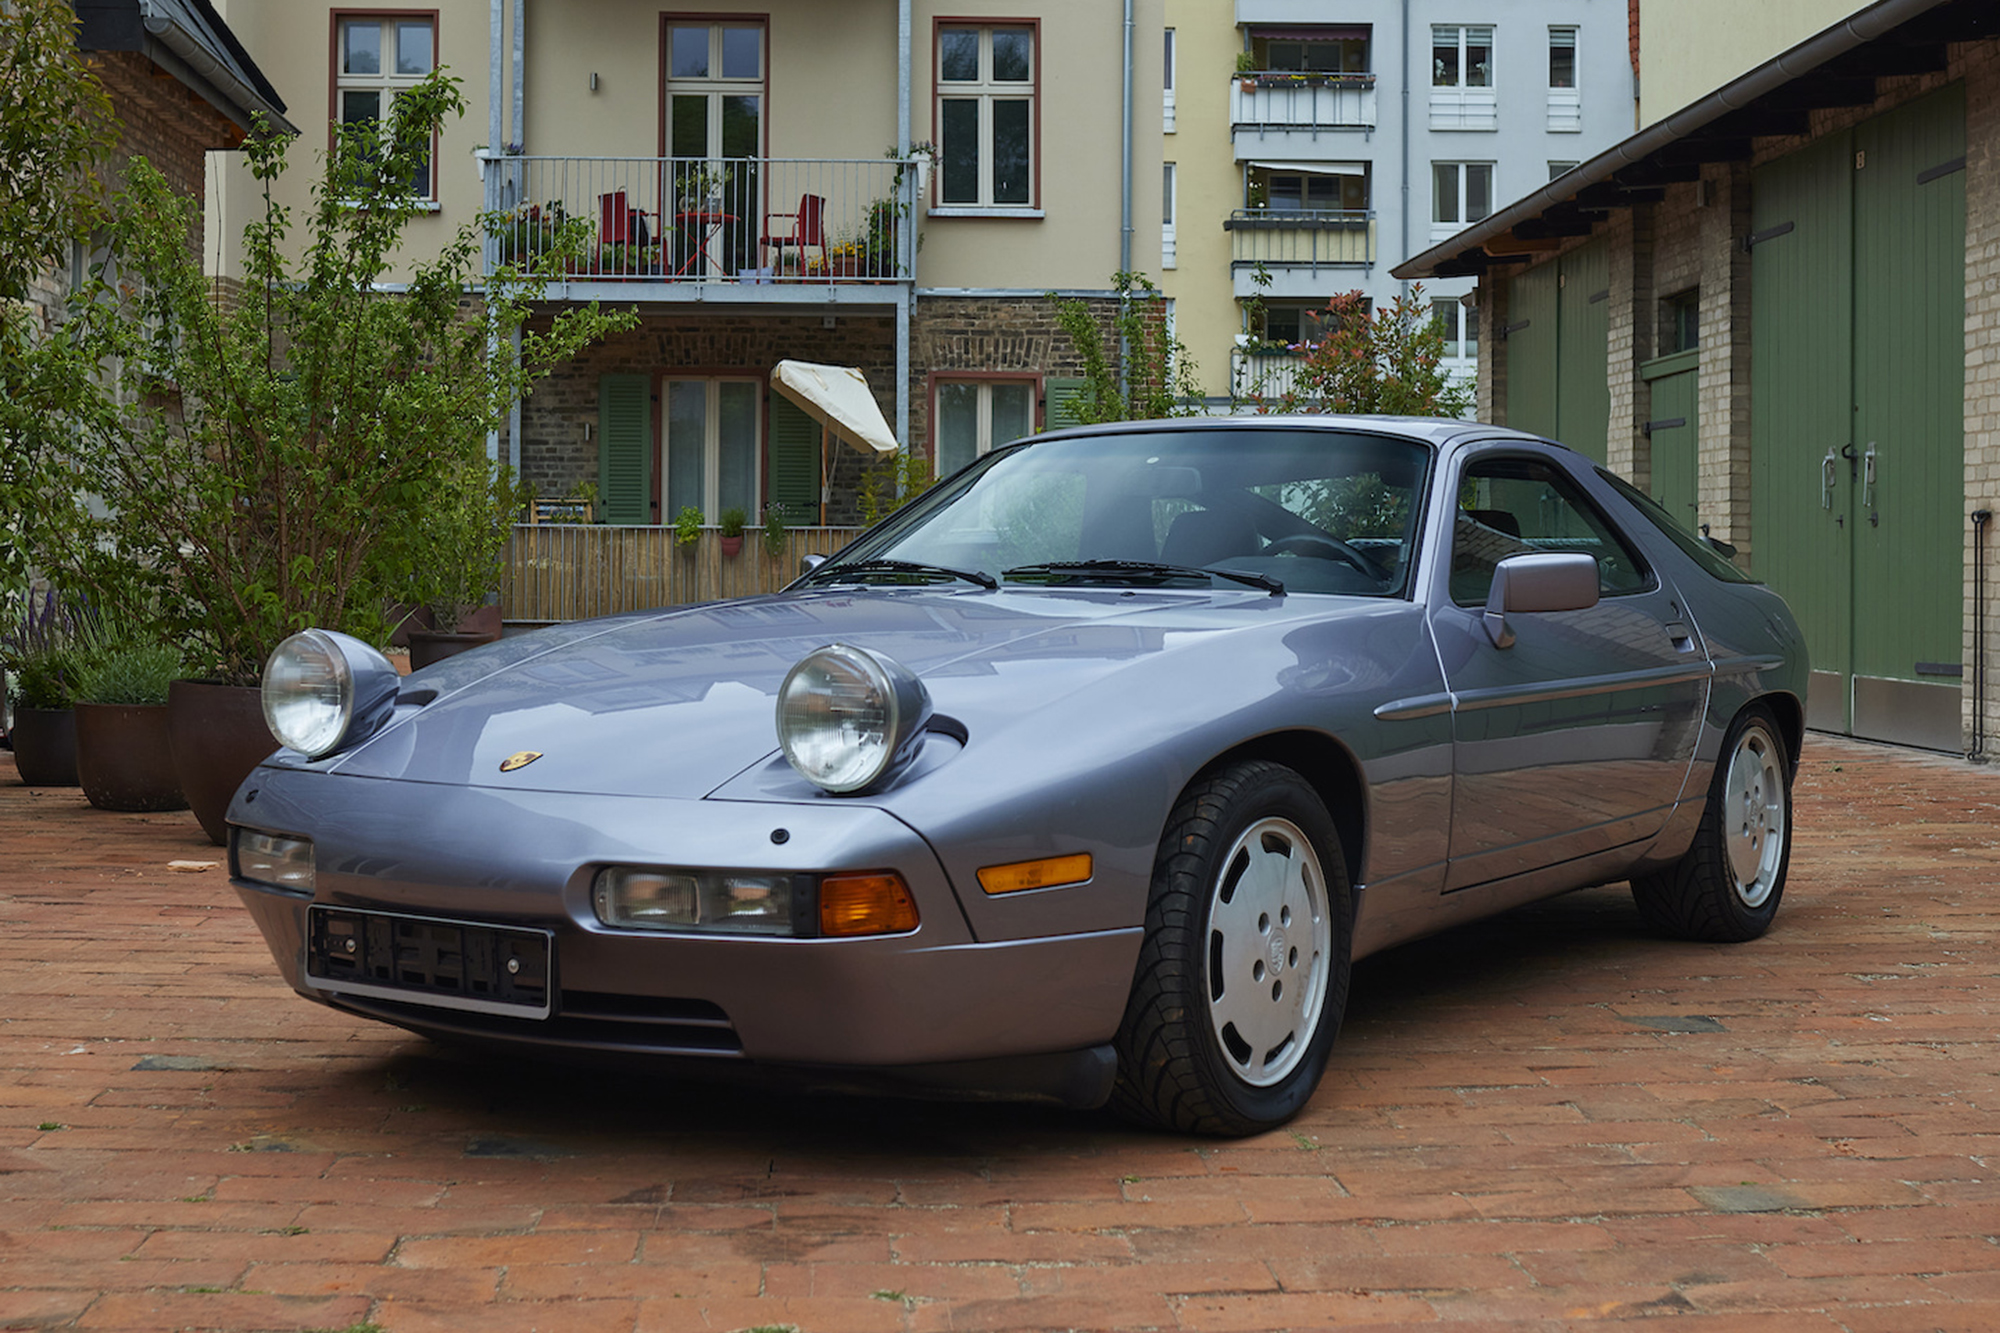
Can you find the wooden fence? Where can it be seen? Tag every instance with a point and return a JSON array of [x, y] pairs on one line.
[[572, 571]]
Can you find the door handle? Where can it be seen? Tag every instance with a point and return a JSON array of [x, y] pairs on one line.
[[1826, 466], [1868, 475]]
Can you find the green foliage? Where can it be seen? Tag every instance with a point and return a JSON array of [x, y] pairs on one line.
[[272, 466], [455, 556], [1157, 378], [117, 668], [1246, 62], [1384, 361], [889, 485], [40, 651], [731, 522], [774, 529], [56, 130], [687, 526]]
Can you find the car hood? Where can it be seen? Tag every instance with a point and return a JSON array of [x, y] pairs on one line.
[[676, 703]]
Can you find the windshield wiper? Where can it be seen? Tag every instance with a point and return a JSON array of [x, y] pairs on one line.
[[1137, 571], [882, 565]]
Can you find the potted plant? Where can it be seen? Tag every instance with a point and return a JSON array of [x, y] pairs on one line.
[[124, 756], [249, 469], [40, 654], [687, 528], [731, 525]]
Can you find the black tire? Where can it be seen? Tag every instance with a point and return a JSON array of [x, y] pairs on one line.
[[1725, 888], [1212, 975]]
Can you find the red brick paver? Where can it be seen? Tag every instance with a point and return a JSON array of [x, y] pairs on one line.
[[1508, 1141]]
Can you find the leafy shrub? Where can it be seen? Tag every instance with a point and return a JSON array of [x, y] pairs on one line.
[[127, 671]]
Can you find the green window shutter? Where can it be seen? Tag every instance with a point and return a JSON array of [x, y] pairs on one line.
[[1061, 397], [794, 461], [624, 448]]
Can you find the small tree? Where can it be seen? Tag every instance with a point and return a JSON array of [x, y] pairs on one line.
[[276, 465], [1157, 377], [1384, 361], [56, 130]]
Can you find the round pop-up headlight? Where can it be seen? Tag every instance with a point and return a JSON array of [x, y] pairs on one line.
[[324, 691], [848, 718]]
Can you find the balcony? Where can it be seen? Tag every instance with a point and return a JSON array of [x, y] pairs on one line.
[[713, 230], [1254, 375], [1270, 109], [1298, 244]]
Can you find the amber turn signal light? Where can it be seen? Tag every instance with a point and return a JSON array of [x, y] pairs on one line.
[[1043, 874], [875, 904]]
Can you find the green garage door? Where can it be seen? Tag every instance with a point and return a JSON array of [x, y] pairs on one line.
[[1858, 362], [1557, 329]]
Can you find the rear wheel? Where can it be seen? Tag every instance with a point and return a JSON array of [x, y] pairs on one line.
[[1243, 975], [1726, 887]]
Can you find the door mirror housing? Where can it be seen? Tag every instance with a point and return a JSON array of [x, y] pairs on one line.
[[1538, 581]]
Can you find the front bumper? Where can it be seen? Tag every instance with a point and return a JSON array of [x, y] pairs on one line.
[[525, 859]]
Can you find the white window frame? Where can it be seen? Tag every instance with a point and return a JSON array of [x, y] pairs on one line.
[[982, 411], [1169, 205], [711, 465], [1442, 227], [1565, 103], [1167, 71], [987, 92], [1462, 104], [386, 81]]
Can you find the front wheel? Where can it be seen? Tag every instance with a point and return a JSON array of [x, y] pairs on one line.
[[1243, 974], [1726, 887]]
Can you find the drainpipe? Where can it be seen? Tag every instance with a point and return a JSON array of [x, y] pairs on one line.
[[517, 143], [906, 292], [489, 163], [1403, 246], [1125, 205], [1980, 518]]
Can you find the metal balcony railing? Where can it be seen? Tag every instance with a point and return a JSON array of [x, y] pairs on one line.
[[1284, 100], [747, 221], [1284, 238]]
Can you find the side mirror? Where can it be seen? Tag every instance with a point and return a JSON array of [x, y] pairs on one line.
[[808, 563], [1538, 581]]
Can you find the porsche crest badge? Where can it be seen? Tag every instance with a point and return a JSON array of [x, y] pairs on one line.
[[519, 760]]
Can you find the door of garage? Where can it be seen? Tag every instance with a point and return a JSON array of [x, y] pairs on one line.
[[1858, 284]]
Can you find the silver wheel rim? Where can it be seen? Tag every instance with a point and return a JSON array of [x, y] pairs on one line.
[[1753, 816], [1268, 942]]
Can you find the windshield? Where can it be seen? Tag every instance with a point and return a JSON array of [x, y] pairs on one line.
[[1316, 511]]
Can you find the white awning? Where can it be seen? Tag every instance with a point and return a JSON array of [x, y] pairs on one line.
[[1317, 168], [837, 397]]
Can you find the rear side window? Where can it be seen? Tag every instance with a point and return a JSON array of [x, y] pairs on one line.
[[1711, 560], [1511, 506]]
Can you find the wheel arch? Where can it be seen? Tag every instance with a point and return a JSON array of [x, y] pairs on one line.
[[1329, 767], [1791, 719]]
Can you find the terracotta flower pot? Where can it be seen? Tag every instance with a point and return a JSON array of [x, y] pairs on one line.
[[44, 746], [731, 545], [218, 735], [124, 760]]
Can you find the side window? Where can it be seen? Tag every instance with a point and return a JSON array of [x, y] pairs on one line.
[[1509, 506]]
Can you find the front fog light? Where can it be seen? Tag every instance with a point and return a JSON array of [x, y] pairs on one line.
[[849, 718], [324, 691], [693, 900], [267, 858]]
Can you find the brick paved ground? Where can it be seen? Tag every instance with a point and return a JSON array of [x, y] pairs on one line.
[[1552, 1121]]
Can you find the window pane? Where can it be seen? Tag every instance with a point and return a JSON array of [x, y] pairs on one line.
[[1169, 66], [957, 426], [1444, 192], [1167, 193], [1010, 151], [1444, 57], [688, 133], [742, 53], [1013, 412], [687, 437], [1472, 331], [736, 449], [413, 48], [689, 55], [1479, 57], [958, 55], [358, 105], [960, 150], [740, 137], [1478, 190], [1013, 55], [1445, 310], [1562, 57], [1558, 168], [361, 48]]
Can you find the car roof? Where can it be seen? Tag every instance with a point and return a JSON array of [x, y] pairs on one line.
[[1438, 432]]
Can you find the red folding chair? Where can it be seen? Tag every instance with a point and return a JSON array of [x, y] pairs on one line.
[[618, 223], [808, 231]]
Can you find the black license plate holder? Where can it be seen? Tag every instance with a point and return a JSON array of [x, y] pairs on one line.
[[446, 964]]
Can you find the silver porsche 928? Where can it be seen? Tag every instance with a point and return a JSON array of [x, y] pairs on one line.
[[1085, 776]]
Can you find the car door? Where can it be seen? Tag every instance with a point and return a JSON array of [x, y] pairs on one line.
[[1576, 735]]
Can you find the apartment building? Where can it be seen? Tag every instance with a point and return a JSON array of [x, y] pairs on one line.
[[892, 185], [1798, 352], [1318, 145]]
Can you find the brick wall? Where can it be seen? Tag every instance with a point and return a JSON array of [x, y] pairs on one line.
[[1980, 65]]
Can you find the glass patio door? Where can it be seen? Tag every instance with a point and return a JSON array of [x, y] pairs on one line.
[[715, 134], [711, 447]]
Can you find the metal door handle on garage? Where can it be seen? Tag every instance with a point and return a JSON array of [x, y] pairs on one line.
[[1826, 466]]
